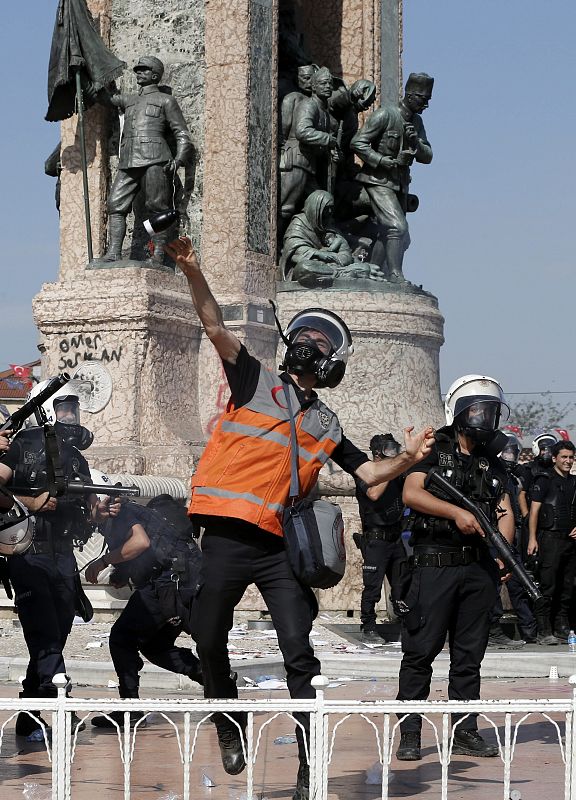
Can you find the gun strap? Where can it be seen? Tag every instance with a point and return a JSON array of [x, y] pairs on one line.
[[55, 478]]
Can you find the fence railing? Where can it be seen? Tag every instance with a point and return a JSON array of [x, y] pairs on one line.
[[326, 720]]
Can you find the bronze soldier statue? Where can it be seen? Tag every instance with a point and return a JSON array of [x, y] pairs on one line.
[[146, 160], [306, 151], [390, 141]]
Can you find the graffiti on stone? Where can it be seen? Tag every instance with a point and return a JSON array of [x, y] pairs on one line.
[[75, 349]]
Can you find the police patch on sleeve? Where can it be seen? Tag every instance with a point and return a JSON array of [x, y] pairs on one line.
[[324, 419]]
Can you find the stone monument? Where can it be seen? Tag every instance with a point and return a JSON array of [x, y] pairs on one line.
[[132, 330]]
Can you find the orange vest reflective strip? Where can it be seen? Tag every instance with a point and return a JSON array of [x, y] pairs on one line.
[[244, 472]]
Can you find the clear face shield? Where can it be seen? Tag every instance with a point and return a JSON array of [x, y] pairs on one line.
[[511, 453], [67, 411], [545, 446], [478, 418]]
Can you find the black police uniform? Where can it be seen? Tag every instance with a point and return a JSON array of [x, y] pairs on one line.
[[382, 547], [157, 611], [453, 584], [44, 577], [556, 550]]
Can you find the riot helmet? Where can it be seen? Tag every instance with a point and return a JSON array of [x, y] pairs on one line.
[[542, 447], [319, 343], [16, 530], [476, 405], [62, 410], [384, 445], [510, 453]]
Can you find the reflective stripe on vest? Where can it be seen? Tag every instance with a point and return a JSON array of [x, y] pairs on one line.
[[244, 472]]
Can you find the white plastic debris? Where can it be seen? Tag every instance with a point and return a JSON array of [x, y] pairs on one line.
[[374, 775], [207, 780], [33, 791], [290, 739], [112, 684], [93, 645]]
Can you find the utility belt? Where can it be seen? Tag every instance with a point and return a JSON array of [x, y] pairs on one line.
[[389, 534], [445, 557]]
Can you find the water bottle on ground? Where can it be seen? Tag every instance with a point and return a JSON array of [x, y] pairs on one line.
[[572, 642]]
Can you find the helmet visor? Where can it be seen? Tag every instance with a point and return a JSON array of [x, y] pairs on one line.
[[67, 411], [480, 414], [330, 329], [511, 453]]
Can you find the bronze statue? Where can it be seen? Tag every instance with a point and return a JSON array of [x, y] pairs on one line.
[[307, 148], [344, 105], [291, 100], [146, 162], [315, 252], [390, 141]]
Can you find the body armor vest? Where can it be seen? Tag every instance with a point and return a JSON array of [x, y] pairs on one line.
[[476, 476], [71, 516], [558, 512], [385, 512]]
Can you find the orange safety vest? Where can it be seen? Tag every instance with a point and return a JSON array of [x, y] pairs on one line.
[[244, 472]]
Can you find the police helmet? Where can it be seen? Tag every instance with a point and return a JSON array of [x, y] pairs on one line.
[[303, 355], [476, 404], [512, 448], [63, 409], [543, 444], [16, 530]]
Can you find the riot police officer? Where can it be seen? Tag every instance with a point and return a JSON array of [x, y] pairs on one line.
[[44, 577], [527, 473], [552, 529], [381, 510], [518, 597], [153, 548], [454, 579]]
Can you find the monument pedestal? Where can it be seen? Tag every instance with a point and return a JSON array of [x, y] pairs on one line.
[[140, 325], [392, 379]]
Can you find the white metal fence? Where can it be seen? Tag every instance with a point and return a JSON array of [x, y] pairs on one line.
[[326, 720]]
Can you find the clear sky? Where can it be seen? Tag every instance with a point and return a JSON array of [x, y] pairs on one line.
[[494, 236]]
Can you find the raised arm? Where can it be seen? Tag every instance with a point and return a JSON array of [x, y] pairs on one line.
[[227, 345]]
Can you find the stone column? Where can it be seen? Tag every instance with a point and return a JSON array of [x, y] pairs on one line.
[[239, 210]]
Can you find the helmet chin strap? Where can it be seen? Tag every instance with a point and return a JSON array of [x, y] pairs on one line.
[[278, 325]]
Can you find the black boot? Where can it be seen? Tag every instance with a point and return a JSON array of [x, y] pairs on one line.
[[470, 743], [409, 747], [118, 717], [545, 635], [498, 639], [302, 791], [370, 635], [25, 724], [230, 741], [561, 627]]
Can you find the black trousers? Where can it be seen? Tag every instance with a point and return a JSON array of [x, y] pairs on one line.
[[557, 570], [142, 627], [453, 601], [44, 595], [236, 555], [380, 560]]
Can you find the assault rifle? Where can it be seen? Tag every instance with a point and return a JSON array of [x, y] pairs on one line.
[[493, 535], [74, 487], [34, 405]]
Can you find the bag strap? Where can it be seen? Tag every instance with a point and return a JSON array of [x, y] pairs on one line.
[[294, 482]]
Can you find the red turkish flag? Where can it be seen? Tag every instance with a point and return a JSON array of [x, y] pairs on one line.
[[515, 429], [563, 434], [20, 372]]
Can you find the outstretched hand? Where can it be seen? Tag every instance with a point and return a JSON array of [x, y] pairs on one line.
[[418, 445], [182, 252]]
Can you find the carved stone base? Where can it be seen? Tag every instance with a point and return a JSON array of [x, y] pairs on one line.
[[140, 325]]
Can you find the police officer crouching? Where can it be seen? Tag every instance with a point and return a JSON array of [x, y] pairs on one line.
[[454, 581], [153, 548], [381, 510], [44, 577]]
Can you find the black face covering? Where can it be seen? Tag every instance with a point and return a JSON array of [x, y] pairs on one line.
[[74, 435], [303, 358]]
